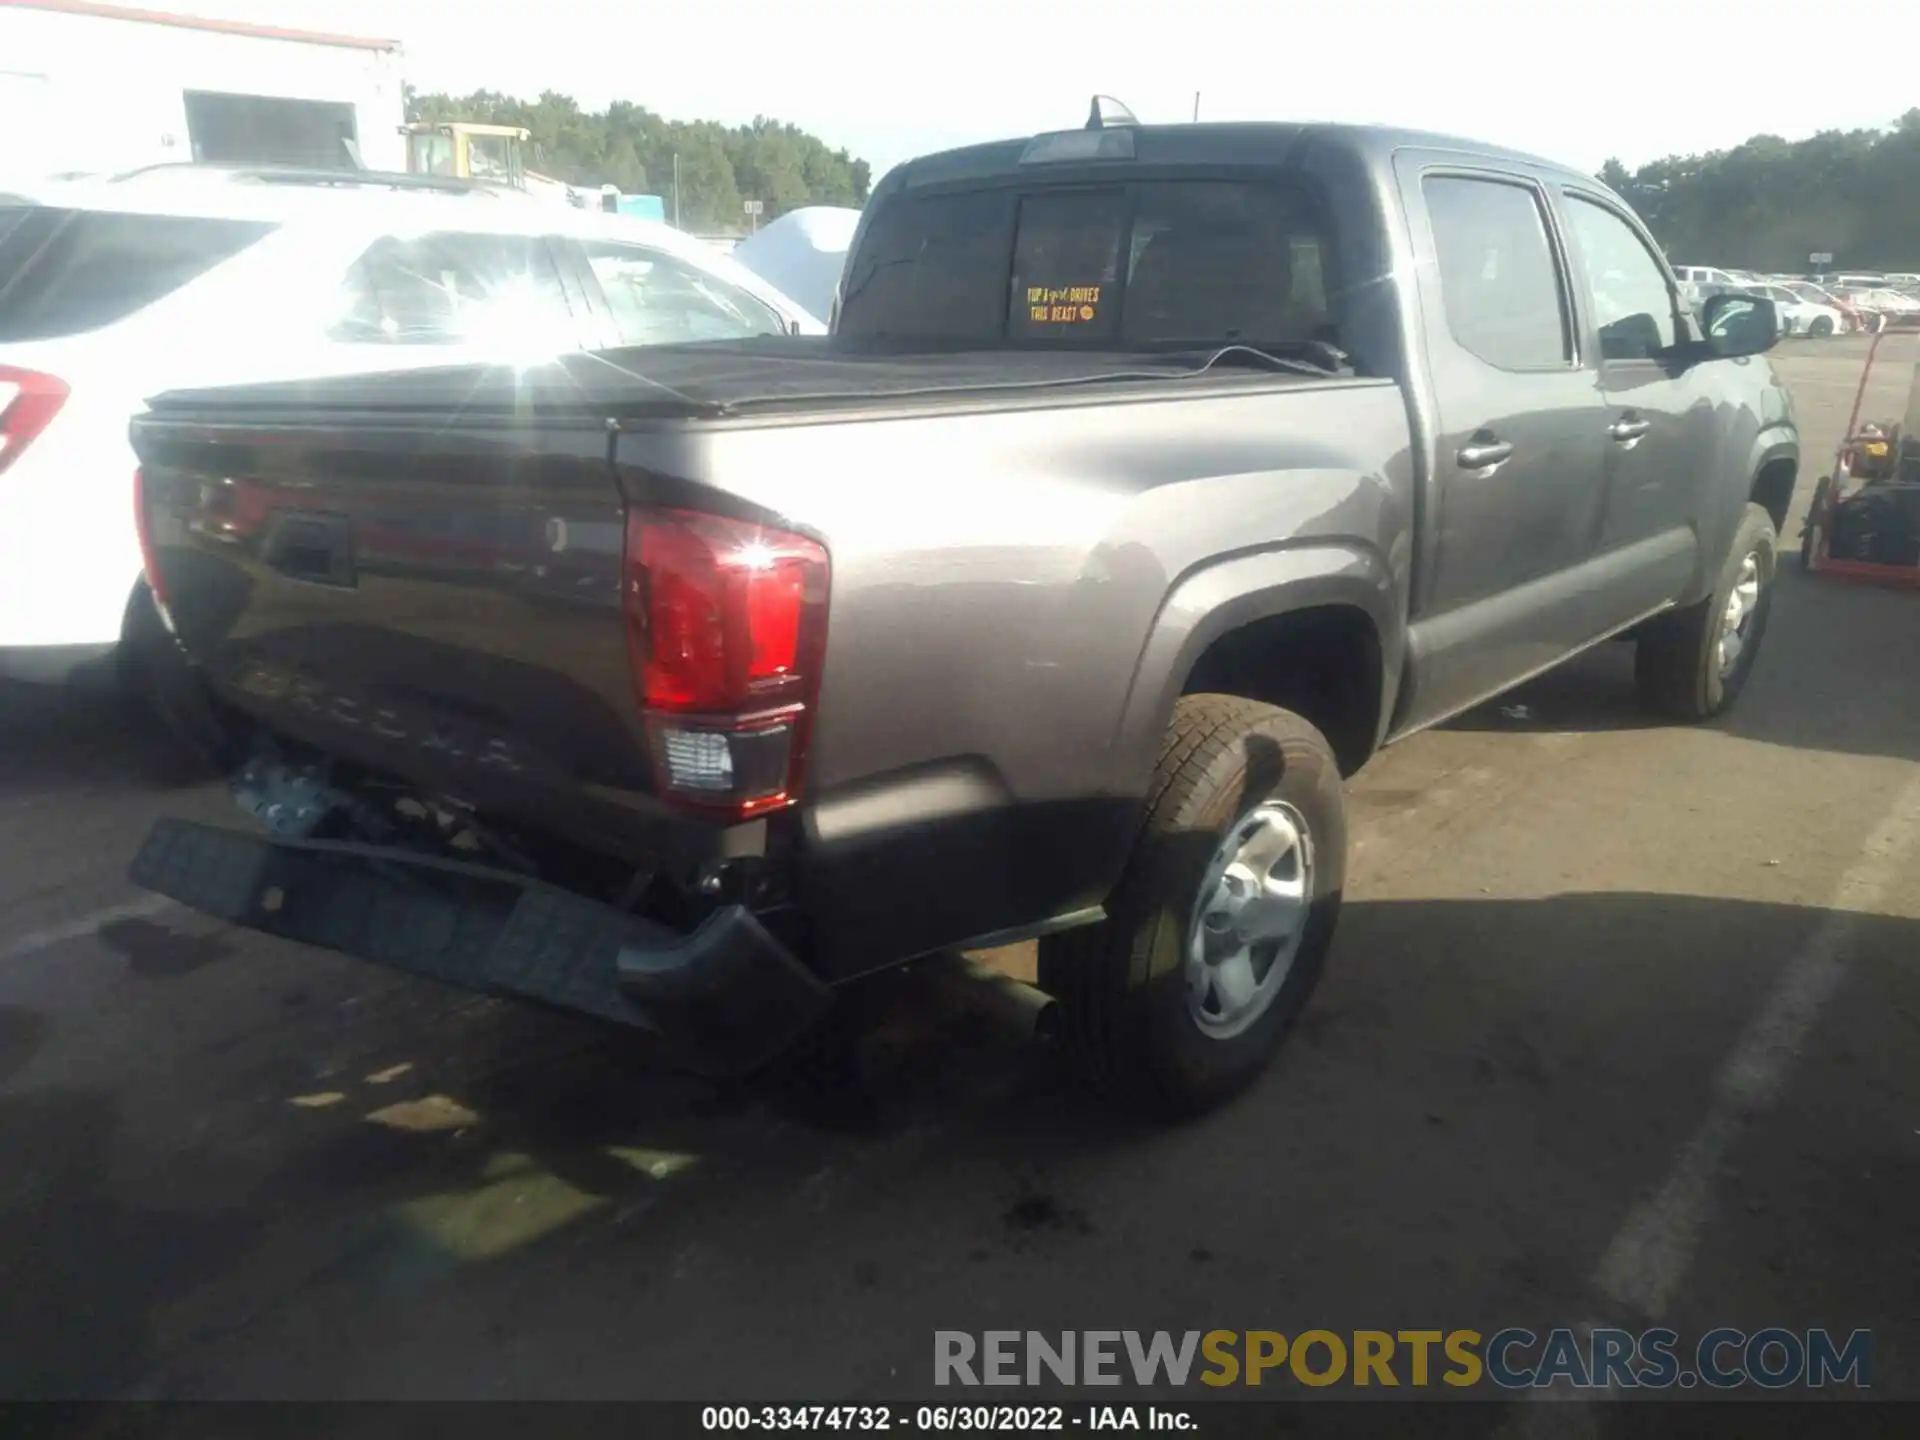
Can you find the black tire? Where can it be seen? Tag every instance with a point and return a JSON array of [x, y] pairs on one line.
[[1122, 985], [1821, 328], [205, 739], [1810, 527], [1677, 665]]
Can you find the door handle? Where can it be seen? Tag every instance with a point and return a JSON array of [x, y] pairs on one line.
[[1629, 429], [1484, 454]]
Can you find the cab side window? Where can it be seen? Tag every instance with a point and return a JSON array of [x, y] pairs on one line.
[[1499, 281], [1632, 306]]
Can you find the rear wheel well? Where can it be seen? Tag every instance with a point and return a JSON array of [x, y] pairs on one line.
[[1773, 489], [1323, 664]]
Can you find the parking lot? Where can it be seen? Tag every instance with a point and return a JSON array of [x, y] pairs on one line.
[[1621, 1026]]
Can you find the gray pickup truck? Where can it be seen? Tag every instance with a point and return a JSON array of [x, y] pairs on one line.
[[1152, 479]]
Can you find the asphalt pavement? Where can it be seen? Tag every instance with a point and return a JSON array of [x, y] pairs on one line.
[[1622, 1026]]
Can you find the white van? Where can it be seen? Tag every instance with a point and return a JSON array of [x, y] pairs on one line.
[[1705, 275]]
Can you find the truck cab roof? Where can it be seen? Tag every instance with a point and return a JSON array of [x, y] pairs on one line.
[[1232, 144]]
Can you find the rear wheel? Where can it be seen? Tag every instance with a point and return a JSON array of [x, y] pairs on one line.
[[1821, 327], [1220, 926], [1692, 664]]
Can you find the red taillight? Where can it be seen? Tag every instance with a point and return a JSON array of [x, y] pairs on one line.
[[149, 561], [726, 624], [28, 401]]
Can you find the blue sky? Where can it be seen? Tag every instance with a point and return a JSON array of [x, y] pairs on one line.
[[891, 80]]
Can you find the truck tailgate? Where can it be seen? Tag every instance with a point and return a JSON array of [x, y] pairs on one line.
[[436, 599]]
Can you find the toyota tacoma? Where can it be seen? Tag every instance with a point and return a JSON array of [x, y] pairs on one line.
[[1151, 479]]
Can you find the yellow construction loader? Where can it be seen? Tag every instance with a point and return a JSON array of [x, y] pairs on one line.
[[463, 150]]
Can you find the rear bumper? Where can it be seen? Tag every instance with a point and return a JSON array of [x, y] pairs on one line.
[[724, 1000]]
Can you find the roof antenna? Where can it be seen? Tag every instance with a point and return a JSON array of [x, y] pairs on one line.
[[1108, 111]]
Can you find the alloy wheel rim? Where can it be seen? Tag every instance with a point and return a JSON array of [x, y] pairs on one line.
[[1250, 920], [1736, 622]]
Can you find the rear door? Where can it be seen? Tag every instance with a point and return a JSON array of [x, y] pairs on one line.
[[1659, 415], [1519, 462]]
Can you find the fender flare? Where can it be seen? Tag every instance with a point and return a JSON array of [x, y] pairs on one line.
[[1776, 442], [1726, 501], [1225, 594], [1771, 446]]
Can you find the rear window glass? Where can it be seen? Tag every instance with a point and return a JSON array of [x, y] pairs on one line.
[[65, 272], [1067, 263], [446, 289], [1214, 263], [933, 268], [1161, 264], [657, 299]]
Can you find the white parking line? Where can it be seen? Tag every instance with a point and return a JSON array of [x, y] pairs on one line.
[[1650, 1256], [1654, 1249], [1572, 1418], [36, 940]]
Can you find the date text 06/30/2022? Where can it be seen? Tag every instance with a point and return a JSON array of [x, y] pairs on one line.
[[937, 1419]]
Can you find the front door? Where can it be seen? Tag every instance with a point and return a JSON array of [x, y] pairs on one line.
[[1659, 413], [1518, 460]]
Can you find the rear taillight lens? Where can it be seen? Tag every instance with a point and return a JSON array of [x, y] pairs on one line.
[[149, 559], [726, 624], [28, 402]]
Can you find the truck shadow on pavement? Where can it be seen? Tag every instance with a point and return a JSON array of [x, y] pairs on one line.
[[312, 1206], [54, 739], [1836, 673]]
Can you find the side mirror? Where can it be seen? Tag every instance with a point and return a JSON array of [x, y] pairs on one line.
[[1738, 324]]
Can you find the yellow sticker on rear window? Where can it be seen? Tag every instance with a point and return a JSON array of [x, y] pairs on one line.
[[1062, 304]]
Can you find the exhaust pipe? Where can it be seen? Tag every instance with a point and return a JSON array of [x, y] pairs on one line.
[[1015, 1009]]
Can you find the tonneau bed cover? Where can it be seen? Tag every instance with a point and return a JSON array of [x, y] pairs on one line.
[[711, 378]]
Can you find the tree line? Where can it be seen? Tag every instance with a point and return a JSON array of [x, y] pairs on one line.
[[1767, 204], [720, 167], [1770, 204]]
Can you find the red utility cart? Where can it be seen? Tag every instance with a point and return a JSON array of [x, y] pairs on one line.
[[1864, 523]]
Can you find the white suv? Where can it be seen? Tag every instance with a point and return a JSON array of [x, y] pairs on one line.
[[114, 290]]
